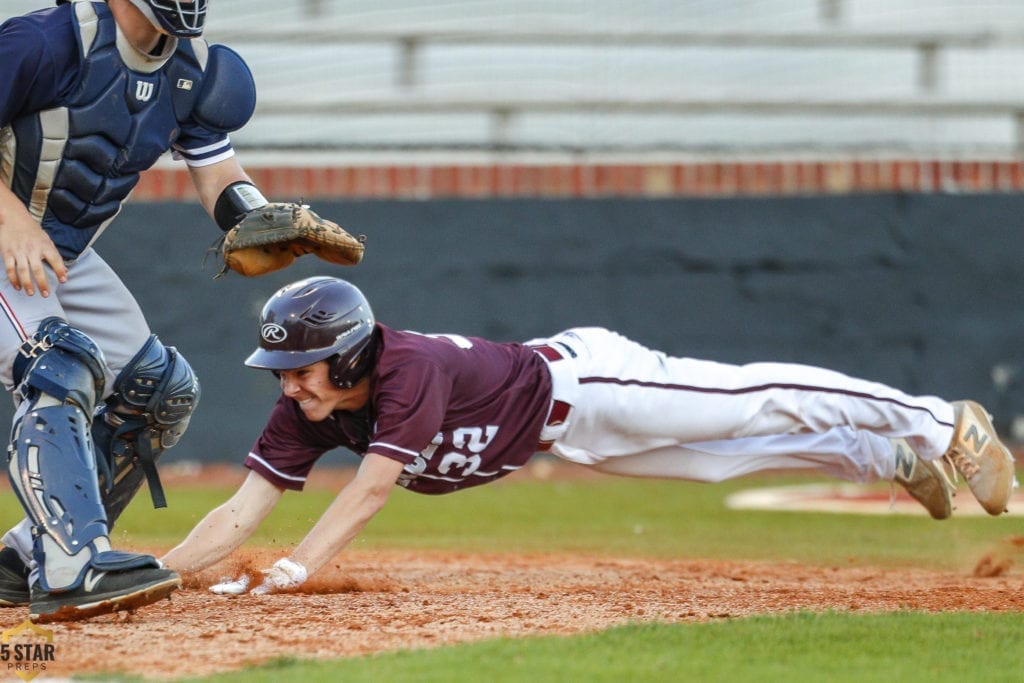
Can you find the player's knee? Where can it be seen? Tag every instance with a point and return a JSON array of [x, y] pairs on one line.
[[159, 383], [148, 412], [60, 364], [153, 397]]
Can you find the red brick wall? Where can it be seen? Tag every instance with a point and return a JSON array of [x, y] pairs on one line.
[[609, 180]]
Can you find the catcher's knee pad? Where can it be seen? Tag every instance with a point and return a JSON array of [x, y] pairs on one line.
[[62, 362], [147, 413], [52, 469]]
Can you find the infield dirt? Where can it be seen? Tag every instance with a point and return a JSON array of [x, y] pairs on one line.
[[374, 601], [394, 600]]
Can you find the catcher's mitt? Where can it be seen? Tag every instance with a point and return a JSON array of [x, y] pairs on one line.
[[270, 237]]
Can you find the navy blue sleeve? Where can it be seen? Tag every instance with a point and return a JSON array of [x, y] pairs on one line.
[[38, 62]]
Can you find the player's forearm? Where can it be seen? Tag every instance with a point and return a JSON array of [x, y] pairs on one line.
[[338, 526], [356, 505], [211, 180], [225, 527], [212, 539]]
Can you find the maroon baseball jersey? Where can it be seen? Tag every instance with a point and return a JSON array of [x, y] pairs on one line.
[[456, 411]]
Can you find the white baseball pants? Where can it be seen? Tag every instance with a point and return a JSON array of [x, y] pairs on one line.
[[639, 412]]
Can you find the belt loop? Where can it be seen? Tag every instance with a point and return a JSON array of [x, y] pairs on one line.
[[556, 416]]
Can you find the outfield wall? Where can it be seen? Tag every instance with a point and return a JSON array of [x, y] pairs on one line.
[[920, 291]]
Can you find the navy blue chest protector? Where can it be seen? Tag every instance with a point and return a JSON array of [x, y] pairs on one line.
[[118, 123]]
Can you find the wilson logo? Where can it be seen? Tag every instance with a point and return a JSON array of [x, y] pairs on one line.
[[143, 91]]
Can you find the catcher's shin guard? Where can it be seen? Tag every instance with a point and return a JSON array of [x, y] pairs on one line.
[[148, 412], [51, 462], [53, 471]]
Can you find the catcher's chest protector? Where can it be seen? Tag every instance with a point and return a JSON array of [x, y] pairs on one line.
[[115, 123]]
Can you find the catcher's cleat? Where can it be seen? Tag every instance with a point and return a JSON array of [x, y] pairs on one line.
[[14, 590], [102, 593], [924, 481], [978, 455]]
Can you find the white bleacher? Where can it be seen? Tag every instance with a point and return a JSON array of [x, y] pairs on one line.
[[935, 77]]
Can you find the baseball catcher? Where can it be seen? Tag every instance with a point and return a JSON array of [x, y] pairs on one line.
[[261, 237], [91, 94]]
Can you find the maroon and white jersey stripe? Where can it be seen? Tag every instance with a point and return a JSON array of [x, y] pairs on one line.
[[457, 411]]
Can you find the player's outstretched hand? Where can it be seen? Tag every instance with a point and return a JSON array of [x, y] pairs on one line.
[[283, 575], [228, 586]]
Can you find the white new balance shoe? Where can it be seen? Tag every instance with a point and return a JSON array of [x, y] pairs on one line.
[[924, 481], [981, 458]]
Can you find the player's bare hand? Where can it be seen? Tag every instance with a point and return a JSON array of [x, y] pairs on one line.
[[27, 250]]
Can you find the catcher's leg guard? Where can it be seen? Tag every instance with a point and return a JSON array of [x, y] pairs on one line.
[[153, 400], [63, 362], [51, 462]]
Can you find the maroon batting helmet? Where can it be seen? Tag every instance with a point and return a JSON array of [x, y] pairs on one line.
[[319, 318]]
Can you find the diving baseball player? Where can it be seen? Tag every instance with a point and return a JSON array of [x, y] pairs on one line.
[[440, 413], [92, 94]]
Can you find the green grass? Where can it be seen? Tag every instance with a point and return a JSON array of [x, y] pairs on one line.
[[646, 518], [607, 516], [900, 646]]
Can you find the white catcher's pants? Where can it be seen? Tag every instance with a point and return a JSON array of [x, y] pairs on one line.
[[642, 413]]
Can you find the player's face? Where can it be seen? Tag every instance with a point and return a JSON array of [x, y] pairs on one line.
[[316, 395], [134, 25]]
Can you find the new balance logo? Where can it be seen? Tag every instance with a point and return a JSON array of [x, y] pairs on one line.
[[973, 434], [904, 462], [143, 91]]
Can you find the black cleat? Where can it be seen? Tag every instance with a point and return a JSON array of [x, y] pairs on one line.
[[14, 590], [103, 592]]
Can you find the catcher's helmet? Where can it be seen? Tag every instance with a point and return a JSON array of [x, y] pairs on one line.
[[180, 18], [319, 318]]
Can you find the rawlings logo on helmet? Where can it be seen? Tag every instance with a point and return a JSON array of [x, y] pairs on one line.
[[272, 333]]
